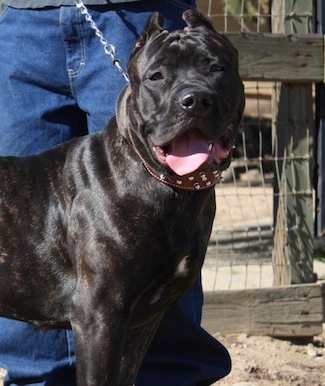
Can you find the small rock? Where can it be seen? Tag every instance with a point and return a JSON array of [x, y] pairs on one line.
[[242, 337], [311, 350]]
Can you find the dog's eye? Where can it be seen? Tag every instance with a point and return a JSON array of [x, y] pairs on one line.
[[216, 68], [156, 76]]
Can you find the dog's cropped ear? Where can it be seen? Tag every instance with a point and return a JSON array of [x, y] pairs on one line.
[[153, 28], [195, 19]]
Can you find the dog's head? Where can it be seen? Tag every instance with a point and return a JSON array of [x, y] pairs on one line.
[[185, 100]]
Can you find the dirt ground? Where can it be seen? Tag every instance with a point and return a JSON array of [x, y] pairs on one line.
[[265, 361]]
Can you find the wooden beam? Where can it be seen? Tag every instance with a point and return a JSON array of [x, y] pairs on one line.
[[293, 133], [289, 311], [280, 57]]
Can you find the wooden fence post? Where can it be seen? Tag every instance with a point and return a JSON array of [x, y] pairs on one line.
[[293, 133]]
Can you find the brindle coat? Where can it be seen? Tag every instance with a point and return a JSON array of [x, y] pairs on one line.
[[93, 233]]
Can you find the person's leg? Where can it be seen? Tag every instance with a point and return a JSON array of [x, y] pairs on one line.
[[37, 111], [33, 357], [37, 107]]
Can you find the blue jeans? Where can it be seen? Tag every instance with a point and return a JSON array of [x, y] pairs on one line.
[[57, 83]]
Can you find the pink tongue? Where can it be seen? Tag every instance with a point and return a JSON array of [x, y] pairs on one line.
[[187, 152]]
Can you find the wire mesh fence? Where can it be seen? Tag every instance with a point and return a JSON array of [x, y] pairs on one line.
[[238, 15], [240, 249], [246, 246]]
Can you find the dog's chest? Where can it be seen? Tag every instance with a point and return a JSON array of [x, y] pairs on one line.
[[164, 289], [171, 248]]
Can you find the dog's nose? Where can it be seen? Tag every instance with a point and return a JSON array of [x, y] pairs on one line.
[[196, 103]]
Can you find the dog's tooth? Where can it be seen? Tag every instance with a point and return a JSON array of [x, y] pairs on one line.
[[208, 183], [191, 178], [179, 182], [197, 186], [162, 177], [210, 146]]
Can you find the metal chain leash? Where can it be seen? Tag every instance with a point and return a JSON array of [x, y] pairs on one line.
[[108, 48]]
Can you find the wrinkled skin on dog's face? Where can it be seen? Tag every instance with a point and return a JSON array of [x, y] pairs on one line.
[[190, 98]]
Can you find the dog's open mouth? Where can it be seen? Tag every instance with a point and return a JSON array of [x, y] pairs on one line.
[[188, 151]]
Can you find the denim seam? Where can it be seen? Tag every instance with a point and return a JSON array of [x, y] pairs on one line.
[[5, 10], [74, 73], [78, 19], [69, 348]]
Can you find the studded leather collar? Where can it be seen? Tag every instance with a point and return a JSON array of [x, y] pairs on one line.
[[198, 180]]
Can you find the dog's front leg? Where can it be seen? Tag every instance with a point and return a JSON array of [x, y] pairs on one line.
[[99, 334], [136, 344]]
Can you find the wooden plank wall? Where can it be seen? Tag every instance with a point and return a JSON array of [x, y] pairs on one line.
[[288, 311], [280, 57]]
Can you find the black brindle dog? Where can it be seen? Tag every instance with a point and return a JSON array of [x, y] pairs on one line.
[[105, 232]]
